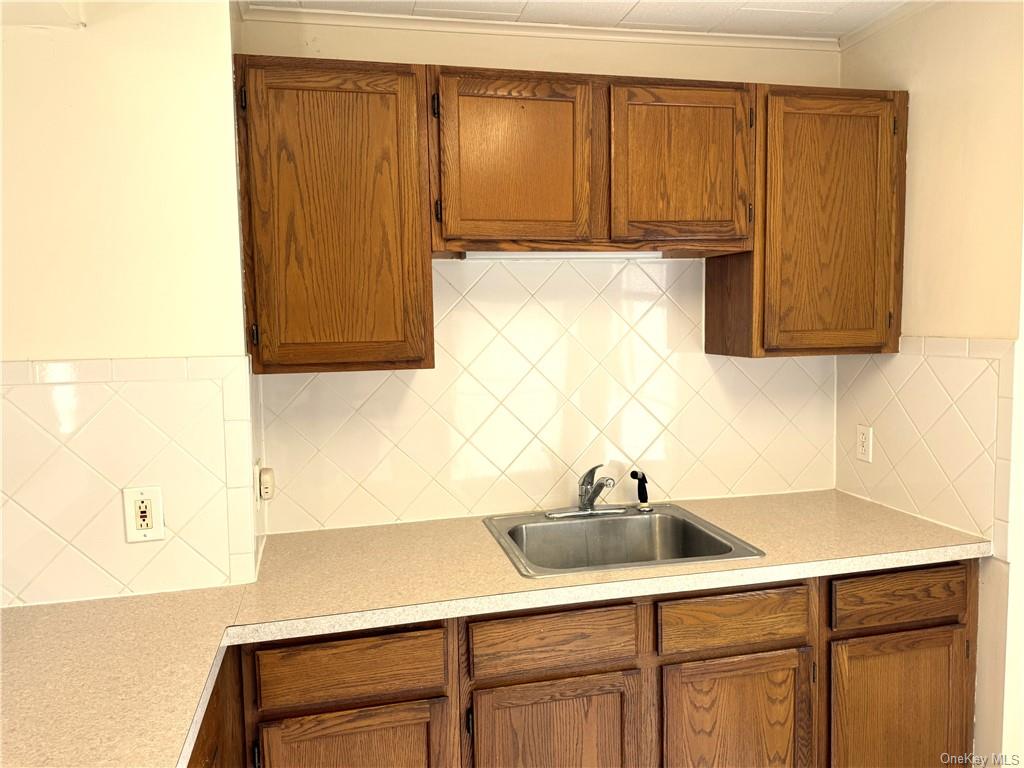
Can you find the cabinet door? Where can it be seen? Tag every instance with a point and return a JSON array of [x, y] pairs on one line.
[[409, 735], [739, 711], [900, 699], [516, 157], [681, 162], [339, 213], [831, 223], [582, 722]]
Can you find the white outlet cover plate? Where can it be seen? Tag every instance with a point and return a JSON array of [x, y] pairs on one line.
[[865, 442], [156, 503]]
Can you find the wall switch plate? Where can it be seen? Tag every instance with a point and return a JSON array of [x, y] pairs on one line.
[[143, 513], [865, 442]]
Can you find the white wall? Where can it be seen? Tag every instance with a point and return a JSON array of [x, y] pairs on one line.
[[120, 205], [122, 305], [962, 63], [1013, 702], [568, 52]]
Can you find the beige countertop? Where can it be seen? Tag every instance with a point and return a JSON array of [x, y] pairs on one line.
[[112, 682], [76, 674]]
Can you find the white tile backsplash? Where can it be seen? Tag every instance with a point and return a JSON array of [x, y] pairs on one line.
[[941, 430], [76, 432], [545, 368]]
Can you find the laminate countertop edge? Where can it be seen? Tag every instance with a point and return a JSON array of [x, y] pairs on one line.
[[239, 634]]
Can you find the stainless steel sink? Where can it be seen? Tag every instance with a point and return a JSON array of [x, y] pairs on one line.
[[568, 541]]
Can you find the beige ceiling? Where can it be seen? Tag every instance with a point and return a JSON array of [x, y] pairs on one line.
[[815, 20]]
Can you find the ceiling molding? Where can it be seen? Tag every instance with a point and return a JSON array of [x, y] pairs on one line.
[[894, 16], [525, 29]]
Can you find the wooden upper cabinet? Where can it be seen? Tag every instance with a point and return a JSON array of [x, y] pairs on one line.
[[682, 162], [831, 224], [339, 216], [582, 722], [409, 735], [825, 271], [739, 711], [901, 699], [516, 157]]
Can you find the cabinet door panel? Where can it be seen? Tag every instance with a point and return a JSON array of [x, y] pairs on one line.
[[340, 225], [515, 158], [581, 722], [681, 162], [831, 221], [900, 699], [410, 735], [739, 711]]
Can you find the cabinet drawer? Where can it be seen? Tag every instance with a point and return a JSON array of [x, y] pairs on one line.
[[724, 621], [351, 669], [896, 598], [552, 641]]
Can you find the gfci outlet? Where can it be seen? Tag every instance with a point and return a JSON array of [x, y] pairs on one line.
[[143, 513], [865, 442]]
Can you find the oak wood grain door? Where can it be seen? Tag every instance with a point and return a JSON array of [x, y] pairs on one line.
[[831, 224], [340, 217], [682, 162], [408, 735], [739, 711], [516, 157], [582, 722], [900, 699]]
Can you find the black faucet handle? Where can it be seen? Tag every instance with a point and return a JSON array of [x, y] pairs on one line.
[[641, 485]]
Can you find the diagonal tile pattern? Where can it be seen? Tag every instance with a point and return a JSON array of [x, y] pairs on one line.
[[936, 418], [71, 442], [546, 367]]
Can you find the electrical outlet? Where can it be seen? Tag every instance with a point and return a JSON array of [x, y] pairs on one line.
[[865, 442], [143, 513]]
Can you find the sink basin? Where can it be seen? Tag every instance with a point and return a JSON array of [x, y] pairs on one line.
[[612, 537]]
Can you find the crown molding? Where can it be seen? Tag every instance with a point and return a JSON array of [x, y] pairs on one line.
[[896, 15], [525, 29]]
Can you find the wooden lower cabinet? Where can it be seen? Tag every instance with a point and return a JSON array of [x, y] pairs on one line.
[[900, 699], [860, 670], [408, 735], [221, 740], [752, 710], [582, 722]]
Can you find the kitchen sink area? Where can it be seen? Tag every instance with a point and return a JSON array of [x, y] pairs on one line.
[[572, 540], [486, 384]]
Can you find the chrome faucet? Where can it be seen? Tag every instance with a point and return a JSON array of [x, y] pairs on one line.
[[591, 489]]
